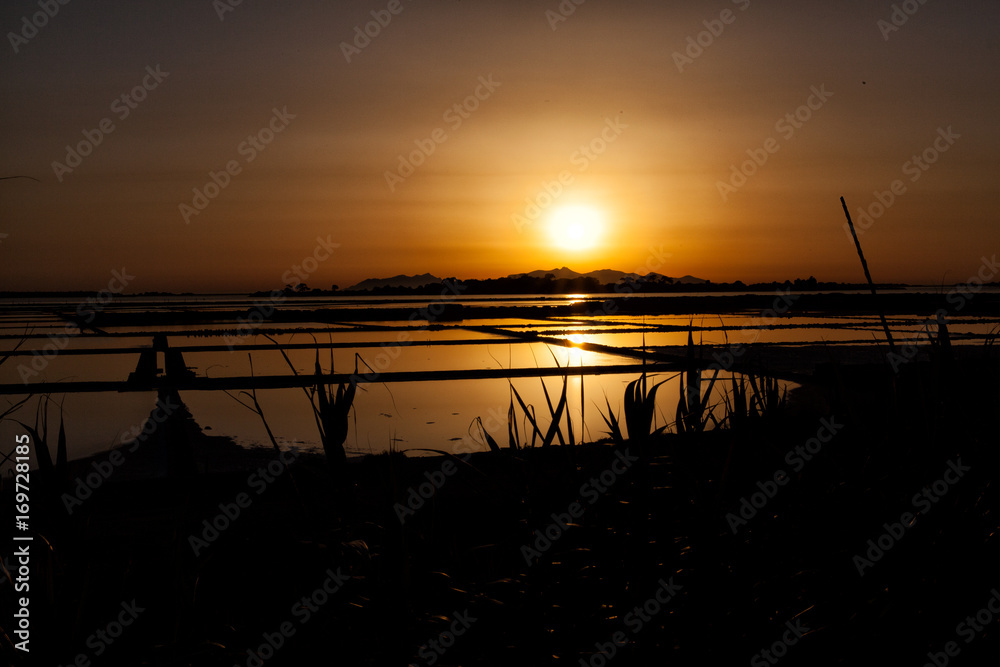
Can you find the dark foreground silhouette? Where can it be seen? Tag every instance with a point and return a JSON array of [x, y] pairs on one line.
[[874, 545]]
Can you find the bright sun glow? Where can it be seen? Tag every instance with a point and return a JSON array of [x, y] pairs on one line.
[[576, 227]]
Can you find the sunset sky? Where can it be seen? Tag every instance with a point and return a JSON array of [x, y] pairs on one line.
[[641, 137]]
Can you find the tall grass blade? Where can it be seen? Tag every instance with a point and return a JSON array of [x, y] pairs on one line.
[[478, 421], [640, 406], [529, 414], [554, 429], [513, 436], [614, 427], [61, 441], [552, 413]]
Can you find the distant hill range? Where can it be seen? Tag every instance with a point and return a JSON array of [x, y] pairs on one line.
[[607, 276], [602, 276], [396, 281]]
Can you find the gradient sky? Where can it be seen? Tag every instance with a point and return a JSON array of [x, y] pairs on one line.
[[657, 184]]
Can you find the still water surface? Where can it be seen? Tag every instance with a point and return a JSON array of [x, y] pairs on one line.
[[398, 415]]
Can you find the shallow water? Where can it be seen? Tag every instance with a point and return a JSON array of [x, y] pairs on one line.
[[398, 415]]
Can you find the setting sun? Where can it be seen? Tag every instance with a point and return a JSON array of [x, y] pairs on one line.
[[576, 227], [397, 293]]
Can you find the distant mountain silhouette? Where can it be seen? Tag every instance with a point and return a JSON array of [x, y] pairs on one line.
[[604, 276], [396, 281], [690, 280]]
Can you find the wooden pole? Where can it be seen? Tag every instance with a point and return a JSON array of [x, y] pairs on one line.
[[868, 275]]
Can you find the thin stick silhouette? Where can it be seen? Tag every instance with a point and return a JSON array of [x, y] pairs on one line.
[[868, 275]]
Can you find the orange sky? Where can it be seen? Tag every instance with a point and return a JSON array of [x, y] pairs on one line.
[[609, 68]]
